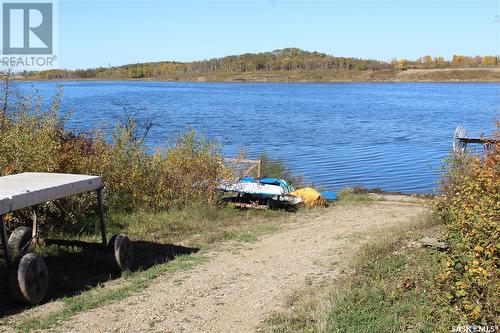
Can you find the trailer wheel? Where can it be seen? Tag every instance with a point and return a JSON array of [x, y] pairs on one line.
[[18, 242], [29, 282], [122, 250]]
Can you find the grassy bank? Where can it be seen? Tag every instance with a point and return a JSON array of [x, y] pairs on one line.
[[394, 288], [196, 224]]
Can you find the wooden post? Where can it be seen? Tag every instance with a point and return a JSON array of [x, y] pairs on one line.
[[259, 169], [34, 230]]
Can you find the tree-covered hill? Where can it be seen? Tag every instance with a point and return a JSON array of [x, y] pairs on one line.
[[289, 60]]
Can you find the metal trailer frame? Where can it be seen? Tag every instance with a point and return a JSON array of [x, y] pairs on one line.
[[3, 231], [29, 190]]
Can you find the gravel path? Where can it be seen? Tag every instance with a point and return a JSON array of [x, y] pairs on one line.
[[236, 288]]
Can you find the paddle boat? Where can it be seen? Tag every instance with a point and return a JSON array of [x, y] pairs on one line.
[[260, 193]]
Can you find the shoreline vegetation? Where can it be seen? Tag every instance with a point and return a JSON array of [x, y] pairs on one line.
[[173, 187], [169, 197], [289, 65]]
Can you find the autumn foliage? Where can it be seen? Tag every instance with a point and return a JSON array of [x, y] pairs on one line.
[[32, 139], [278, 61], [470, 208]]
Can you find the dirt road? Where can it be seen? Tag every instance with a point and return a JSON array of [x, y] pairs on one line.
[[235, 290]]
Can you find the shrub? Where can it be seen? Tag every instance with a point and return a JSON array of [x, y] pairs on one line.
[[470, 208], [279, 169], [37, 140]]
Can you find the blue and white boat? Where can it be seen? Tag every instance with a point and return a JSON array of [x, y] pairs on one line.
[[263, 191]]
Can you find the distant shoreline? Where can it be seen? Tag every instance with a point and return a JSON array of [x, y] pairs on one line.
[[447, 75]]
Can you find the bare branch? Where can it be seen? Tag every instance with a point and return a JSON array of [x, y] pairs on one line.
[[136, 120]]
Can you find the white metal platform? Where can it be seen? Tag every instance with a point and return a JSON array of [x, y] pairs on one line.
[[33, 188]]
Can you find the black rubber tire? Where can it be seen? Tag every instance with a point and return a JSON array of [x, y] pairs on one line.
[[111, 244], [122, 250], [18, 242], [29, 281]]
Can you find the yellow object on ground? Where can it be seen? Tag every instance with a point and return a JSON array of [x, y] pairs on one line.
[[309, 196]]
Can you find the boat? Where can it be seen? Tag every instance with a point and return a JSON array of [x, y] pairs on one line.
[[260, 193]]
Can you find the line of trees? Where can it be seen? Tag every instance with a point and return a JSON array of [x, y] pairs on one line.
[[285, 60], [458, 61]]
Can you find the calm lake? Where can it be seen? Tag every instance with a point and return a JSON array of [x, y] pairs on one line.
[[376, 135]]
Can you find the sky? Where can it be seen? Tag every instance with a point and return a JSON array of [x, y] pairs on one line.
[[103, 33]]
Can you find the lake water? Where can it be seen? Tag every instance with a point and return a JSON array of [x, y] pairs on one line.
[[391, 136]]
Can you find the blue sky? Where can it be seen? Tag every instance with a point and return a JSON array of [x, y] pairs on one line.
[[99, 33]]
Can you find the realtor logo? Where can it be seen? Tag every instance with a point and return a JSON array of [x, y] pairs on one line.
[[27, 28]]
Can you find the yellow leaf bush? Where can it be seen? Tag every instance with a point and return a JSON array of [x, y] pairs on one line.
[[470, 208]]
